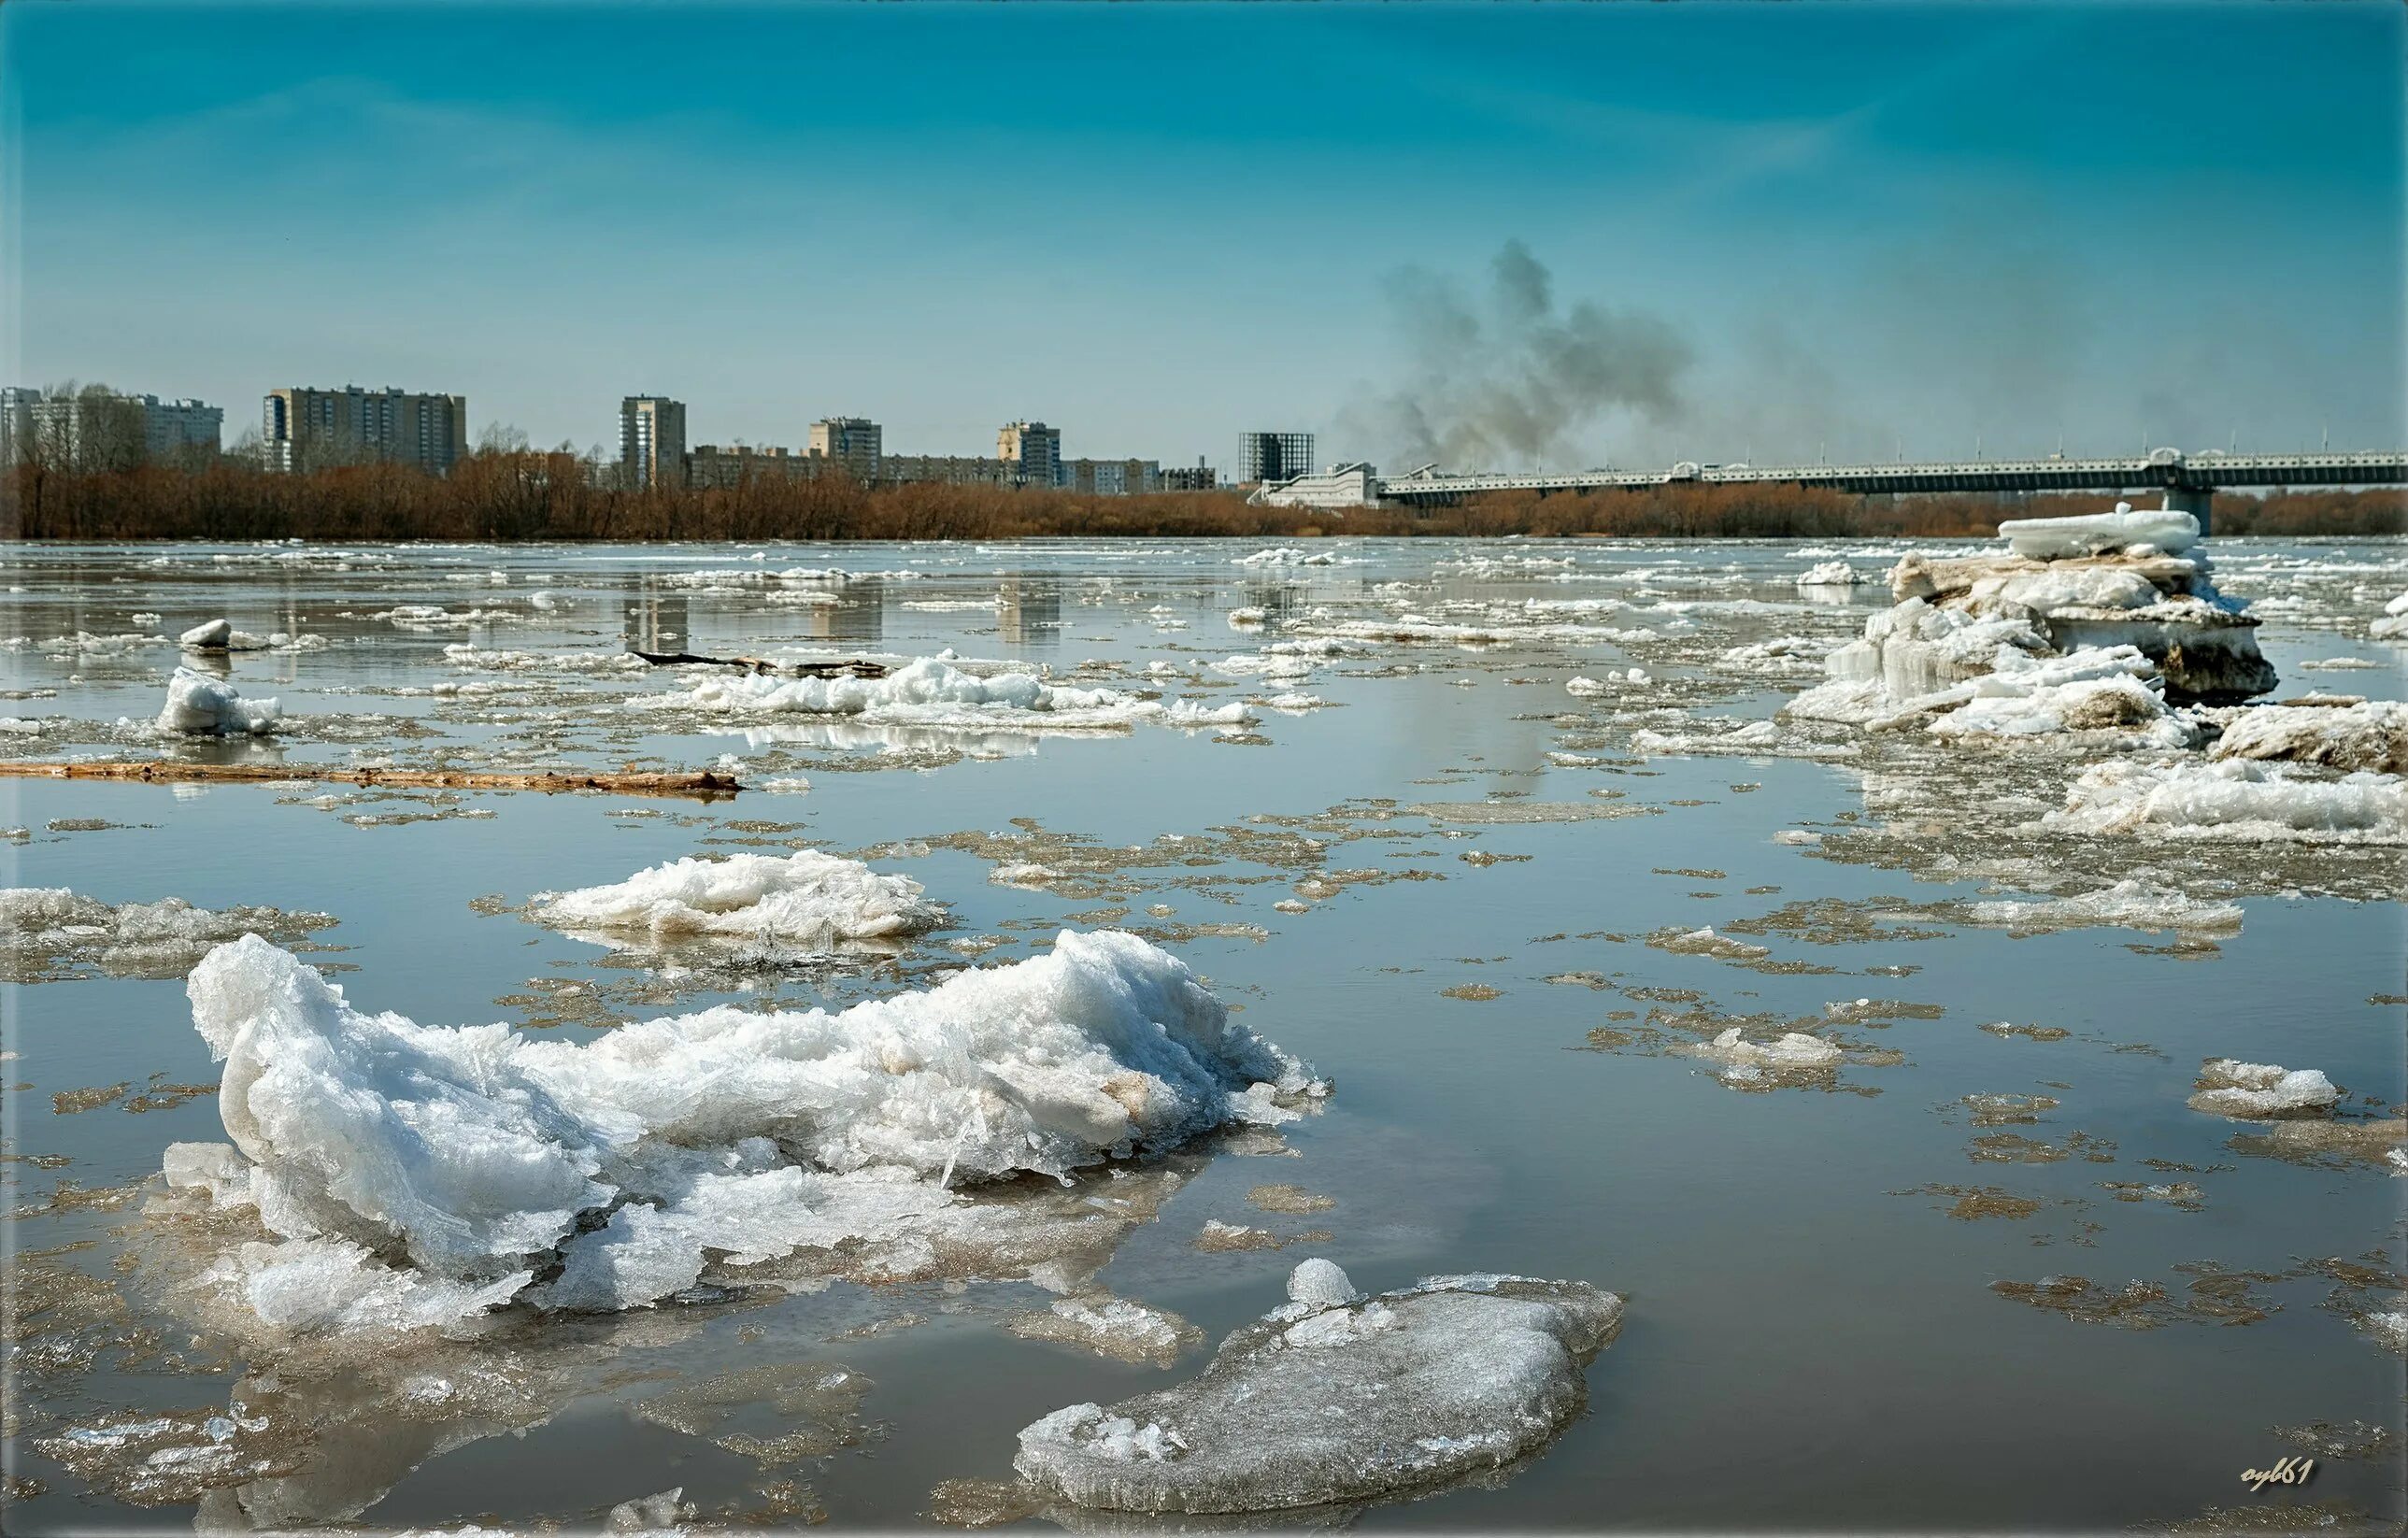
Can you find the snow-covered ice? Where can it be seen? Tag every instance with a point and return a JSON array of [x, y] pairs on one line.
[[2369, 734], [2161, 530], [1333, 1398], [807, 899], [931, 693], [485, 1156], [1829, 574]]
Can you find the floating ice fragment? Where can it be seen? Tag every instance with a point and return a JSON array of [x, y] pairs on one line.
[[2261, 1091], [198, 703], [1320, 1284], [1829, 574], [212, 636], [808, 899], [1319, 1404]]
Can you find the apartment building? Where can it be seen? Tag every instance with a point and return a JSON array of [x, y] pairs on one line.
[[1112, 477], [652, 442], [98, 429], [307, 429], [854, 442], [944, 470], [1032, 452], [1201, 477], [712, 465]]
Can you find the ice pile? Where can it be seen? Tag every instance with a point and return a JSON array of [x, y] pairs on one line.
[[2342, 734], [197, 703], [2393, 625], [1334, 1397], [931, 693], [2089, 625], [2261, 1091], [418, 1174], [808, 899], [2235, 800]]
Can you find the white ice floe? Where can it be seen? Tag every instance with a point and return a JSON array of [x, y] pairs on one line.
[[807, 899], [1289, 556], [2393, 625], [1333, 1398], [1829, 574], [485, 1156], [1743, 1060], [2161, 531], [212, 636], [198, 703], [1248, 618], [2236, 800], [932, 693], [1110, 1327], [2367, 734], [2125, 905], [1592, 688], [2261, 1091]]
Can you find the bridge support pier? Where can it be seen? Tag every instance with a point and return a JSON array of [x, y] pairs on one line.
[[2199, 501]]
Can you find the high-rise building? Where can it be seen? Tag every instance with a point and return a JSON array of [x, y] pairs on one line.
[[1274, 457], [850, 441], [652, 441], [306, 429], [1031, 453]]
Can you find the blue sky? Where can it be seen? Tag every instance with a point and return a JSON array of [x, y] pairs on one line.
[[1842, 230]]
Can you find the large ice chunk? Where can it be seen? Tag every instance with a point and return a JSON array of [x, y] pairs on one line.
[[808, 899], [2259, 1092], [2369, 734], [1326, 1401], [2164, 530], [2235, 800], [198, 703], [477, 1152]]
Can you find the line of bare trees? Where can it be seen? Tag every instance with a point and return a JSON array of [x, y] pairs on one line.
[[506, 491]]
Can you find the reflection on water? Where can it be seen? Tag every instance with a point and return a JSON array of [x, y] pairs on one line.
[[1442, 889]]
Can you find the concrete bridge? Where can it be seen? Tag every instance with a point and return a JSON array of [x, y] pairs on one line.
[[2188, 481]]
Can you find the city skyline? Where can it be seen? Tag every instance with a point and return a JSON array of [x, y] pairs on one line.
[[1774, 229]]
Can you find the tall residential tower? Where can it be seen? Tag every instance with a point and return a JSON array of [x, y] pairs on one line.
[[652, 441]]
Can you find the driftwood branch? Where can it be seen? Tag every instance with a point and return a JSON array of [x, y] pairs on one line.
[[858, 668], [702, 785]]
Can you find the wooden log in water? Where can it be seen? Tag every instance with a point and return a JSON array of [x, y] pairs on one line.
[[856, 668], [701, 785]]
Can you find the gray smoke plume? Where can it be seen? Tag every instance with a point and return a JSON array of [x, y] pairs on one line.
[[1508, 384]]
